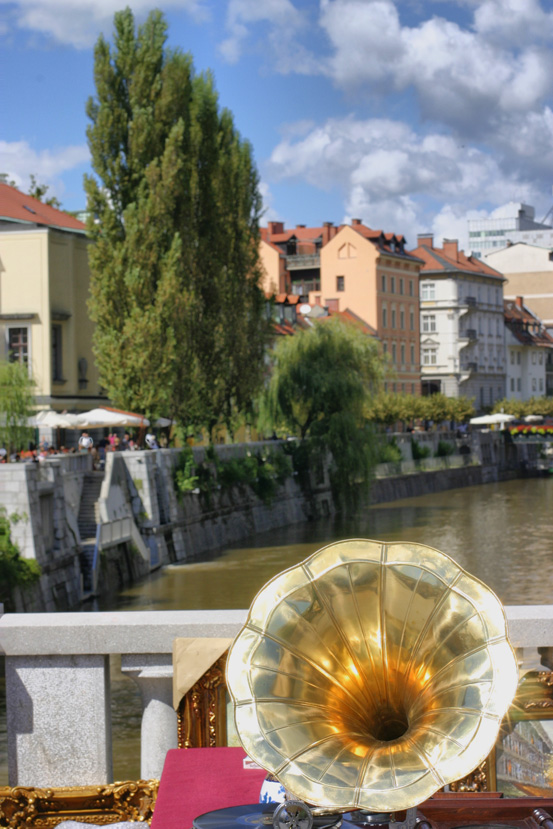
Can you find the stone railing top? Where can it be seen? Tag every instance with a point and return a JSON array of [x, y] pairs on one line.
[[35, 634], [148, 631]]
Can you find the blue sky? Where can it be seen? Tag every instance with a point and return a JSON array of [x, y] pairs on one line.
[[408, 114]]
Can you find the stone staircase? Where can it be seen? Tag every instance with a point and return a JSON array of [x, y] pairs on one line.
[[88, 521]]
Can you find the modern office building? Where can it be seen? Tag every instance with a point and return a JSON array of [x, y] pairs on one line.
[[515, 222]]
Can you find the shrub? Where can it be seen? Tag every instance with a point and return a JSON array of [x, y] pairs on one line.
[[15, 571], [389, 453], [444, 449], [419, 452]]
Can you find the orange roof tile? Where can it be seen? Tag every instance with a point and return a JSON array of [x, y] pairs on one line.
[[20, 208], [436, 260]]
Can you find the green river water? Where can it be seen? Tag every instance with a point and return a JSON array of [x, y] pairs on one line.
[[502, 533]]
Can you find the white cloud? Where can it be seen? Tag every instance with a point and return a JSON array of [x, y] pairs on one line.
[[395, 179], [282, 24], [79, 22], [466, 78], [19, 160]]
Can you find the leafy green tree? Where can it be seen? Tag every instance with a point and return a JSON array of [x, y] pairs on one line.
[[15, 571], [16, 406], [321, 382], [173, 211], [39, 191]]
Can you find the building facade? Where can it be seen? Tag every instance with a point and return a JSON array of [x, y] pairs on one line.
[[462, 334], [529, 273], [359, 270], [44, 320], [529, 353], [515, 223]]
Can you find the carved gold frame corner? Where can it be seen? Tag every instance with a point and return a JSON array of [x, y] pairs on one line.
[[23, 807]]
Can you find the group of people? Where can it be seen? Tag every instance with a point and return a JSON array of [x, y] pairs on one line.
[[112, 443]]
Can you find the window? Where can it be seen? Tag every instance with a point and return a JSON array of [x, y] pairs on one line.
[[512, 358], [412, 388], [512, 383], [410, 287], [518, 358], [401, 285], [392, 284], [393, 317], [412, 355], [402, 353], [57, 373], [412, 320], [541, 359], [428, 323], [534, 358], [394, 354], [402, 318], [340, 283], [428, 291], [541, 383], [384, 318], [518, 384], [429, 356], [18, 345], [383, 281], [385, 348], [534, 384]]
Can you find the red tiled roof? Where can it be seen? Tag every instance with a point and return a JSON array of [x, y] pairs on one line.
[[18, 207], [436, 260], [525, 326], [349, 316]]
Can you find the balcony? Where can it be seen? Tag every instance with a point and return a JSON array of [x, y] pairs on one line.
[[303, 288], [303, 261], [470, 301], [471, 367]]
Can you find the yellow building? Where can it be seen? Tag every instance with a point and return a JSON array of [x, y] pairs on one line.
[[44, 287]]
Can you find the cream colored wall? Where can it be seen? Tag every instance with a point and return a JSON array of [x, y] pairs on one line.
[[23, 290], [69, 290], [520, 259], [270, 263], [537, 291], [349, 255]]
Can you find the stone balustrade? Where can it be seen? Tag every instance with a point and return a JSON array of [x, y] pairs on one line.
[[58, 694]]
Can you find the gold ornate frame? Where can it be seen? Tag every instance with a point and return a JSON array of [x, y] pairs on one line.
[[28, 807], [202, 712]]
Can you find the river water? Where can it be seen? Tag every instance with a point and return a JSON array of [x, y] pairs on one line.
[[502, 533]]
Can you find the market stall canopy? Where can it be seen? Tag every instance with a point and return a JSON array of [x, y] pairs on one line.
[[497, 419], [533, 418]]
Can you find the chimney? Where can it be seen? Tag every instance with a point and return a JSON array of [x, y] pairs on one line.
[[356, 222], [327, 232], [451, 249], [300, 225], [3, 178], [425, 240], [275, 227], [520, 302]]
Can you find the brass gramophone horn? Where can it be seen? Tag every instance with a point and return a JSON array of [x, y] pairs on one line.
[[371, 675]]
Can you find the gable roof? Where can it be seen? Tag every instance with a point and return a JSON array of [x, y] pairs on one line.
[[19, 208], [436, 260], [525, 326]]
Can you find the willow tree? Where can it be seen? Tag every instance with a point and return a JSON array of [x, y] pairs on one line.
[[319, 389], [173, 212], [16, 406]]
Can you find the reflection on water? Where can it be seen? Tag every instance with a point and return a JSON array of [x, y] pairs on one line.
[[501, 533]]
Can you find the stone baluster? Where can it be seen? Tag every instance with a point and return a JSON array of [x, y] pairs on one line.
[[153, 673]]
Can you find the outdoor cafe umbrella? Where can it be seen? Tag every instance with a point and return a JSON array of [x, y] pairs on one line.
[[109, 418], [497, 419], [54, 420]]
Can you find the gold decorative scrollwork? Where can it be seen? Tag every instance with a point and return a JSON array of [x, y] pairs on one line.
[[202, 715], [23, 807], [478, 780]]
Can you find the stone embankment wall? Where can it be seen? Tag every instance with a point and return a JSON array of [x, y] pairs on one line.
[[144, 525]]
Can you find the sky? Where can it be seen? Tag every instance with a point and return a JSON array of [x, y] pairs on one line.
[[411, 115]]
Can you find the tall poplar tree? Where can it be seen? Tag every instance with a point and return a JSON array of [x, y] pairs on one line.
[[173, 211]]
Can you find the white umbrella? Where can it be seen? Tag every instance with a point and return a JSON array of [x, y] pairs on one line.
[[55, 420], [497, 419], [97, 418], [533, 418]]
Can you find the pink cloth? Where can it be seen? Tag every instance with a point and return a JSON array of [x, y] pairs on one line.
[[198, 780]]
